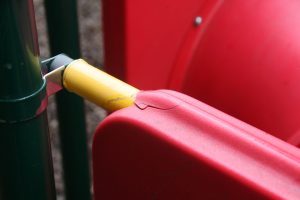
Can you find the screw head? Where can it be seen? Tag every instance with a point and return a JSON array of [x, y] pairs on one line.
[[198, 21]]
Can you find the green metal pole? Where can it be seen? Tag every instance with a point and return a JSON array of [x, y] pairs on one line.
[[25, 158], [64, 38]]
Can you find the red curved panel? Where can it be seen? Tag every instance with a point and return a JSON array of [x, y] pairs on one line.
[[247, 64], [142, 38], [170, 146], [242, 59]]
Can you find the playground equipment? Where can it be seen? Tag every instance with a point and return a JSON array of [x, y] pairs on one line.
[[26, 164], [85, 80], [64, 38], [239, 57], [171, 146], [158, 144]]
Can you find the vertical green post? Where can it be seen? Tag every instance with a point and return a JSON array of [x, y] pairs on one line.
[[25, 156], [64, 38]]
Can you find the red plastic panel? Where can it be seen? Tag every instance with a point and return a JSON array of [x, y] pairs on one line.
[[243, 59], [143, 38], [247, 64], [170, 146]]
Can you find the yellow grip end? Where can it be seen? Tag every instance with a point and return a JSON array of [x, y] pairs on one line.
[[97, 86]]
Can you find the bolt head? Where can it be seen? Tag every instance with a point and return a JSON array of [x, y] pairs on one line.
[[198, 21]]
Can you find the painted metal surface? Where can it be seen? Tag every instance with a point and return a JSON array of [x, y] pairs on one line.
[[79, 77], [53, 69], [97, 86], [64, 38], [26, 166]]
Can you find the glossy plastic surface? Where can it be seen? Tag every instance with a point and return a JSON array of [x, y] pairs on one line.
[[250, 70], [143, 38], [242, 59], [170, 146]]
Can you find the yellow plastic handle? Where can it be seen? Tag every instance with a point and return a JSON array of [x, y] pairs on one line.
[[97, 86]]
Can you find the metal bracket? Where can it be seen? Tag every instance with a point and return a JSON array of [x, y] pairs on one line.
[[53, 69]]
